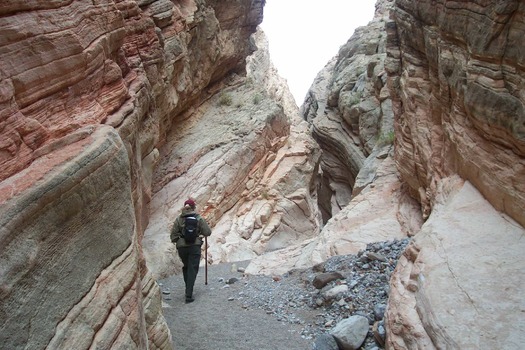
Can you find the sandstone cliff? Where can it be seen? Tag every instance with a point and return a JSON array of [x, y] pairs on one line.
[[113, 112], [247, 158], [360, 195], [456, 75], [89, 92]]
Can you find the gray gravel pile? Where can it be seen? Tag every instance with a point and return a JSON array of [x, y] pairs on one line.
[[362, 290]]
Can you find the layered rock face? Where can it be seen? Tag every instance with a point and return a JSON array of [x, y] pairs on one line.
[[57, 237], [360, 193], [88, 94], [450, 89], [350, 111], [456, 75], [247, 159], [458, 97]]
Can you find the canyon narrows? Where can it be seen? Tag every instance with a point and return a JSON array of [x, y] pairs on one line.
[[113, 112]]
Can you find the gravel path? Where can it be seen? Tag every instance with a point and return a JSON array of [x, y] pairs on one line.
[[219, 320], [290, 311]]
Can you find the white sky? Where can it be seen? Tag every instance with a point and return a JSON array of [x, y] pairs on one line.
[[305, 34]]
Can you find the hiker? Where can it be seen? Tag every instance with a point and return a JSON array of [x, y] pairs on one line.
[[185, 234]]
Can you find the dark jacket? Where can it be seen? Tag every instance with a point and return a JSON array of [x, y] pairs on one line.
[[178, 227]]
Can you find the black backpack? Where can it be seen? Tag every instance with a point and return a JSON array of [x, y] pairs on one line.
[[191, 228]]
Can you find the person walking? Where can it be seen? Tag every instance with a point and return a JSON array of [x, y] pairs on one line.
[[188, 226]]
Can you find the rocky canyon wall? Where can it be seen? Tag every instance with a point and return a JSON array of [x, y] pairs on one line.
[[360, 195], [89, 92], [247, 158], [456, 77], [447, 77], [112, 113]]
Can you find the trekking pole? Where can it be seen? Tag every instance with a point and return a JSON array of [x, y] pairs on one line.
[[205, 260]]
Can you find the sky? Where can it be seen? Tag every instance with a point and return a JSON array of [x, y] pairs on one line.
[[304, 35]]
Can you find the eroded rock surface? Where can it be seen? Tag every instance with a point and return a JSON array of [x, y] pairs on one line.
[[462, 272], [359, 193], [454, 74], [248, 160], [112, 113], [458, 97], [350, 111], [457, 113], [68, 267], [74, 198], [383, 211]]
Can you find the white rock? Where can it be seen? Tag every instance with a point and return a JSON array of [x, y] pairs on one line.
[[351, 332], [460, 282], [336, 291]]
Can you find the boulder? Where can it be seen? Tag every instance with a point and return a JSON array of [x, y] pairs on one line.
[[323, 279], [351, 332]]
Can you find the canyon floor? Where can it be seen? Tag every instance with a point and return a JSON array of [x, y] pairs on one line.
[[218, 319], [239, 311]]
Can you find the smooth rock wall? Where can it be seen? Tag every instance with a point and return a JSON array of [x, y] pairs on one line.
[[458, 284]]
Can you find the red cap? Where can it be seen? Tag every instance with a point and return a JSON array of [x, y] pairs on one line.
[[190, 202]]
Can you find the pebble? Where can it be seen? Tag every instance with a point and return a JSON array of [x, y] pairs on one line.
[[379, 311]]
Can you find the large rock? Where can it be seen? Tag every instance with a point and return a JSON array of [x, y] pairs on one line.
[[70, 269], [458, 284], [323, 279], [351, 332], [454, 74]]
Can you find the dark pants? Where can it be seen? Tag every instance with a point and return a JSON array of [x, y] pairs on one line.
[[191, 257]]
